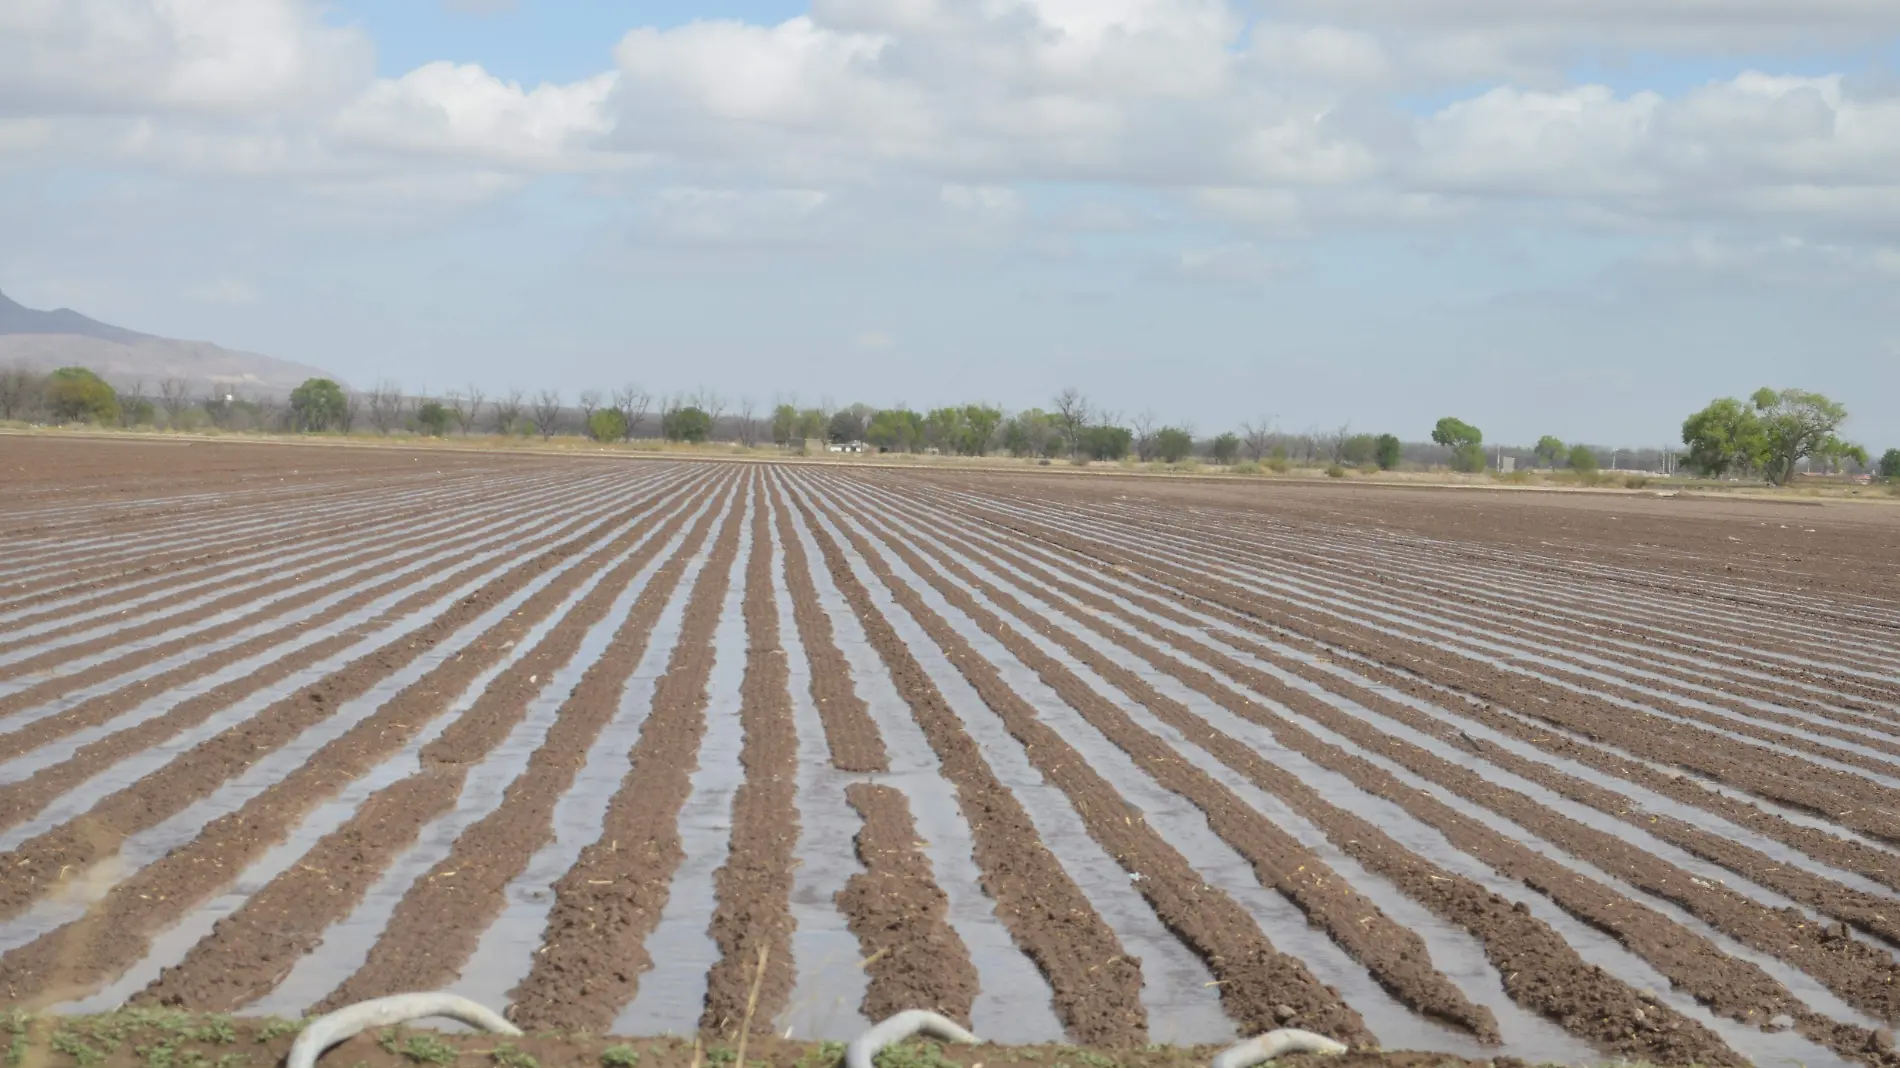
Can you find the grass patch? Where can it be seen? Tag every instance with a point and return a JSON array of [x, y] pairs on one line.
[[621, 1056]]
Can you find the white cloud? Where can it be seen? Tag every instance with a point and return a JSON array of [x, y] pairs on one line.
[[461, 109]]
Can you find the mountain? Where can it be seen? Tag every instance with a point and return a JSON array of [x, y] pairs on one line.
[[44, 340]]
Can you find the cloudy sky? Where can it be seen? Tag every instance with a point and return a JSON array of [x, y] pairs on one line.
[[1580, 217]]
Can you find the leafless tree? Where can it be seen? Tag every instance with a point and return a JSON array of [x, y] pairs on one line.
[[470, 412], [130, 401], [1143, 427], [19, 392], [590, 403], [632, 403], [174, 397], [748, 422], [385, 406], [269, 411], [1257, 438], [352, 407], [547, 412], [219, 405], [1072, 417], [507, 412], [714, 405]]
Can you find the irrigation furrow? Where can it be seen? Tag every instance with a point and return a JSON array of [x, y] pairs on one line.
[[289, 915], [593, 951]]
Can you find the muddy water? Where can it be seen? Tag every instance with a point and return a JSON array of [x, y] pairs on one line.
[[1453, 951], [673, 993], [346, 944], [505, 953], [130, 770], [142, 848], [171, 946], [1797, 982], [1788, 1049], [1178, 990], [1014, 1002], [831, 981], [272, 560], [116, 652]]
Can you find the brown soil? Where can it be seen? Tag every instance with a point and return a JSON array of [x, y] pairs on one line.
[[593, 952], [914, 959]]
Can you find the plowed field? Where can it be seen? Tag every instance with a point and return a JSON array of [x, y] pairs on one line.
[[1101, 759]]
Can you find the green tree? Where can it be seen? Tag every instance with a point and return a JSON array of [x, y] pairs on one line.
[[1550, 451], [1583, 459], [74, 395], [846, 425], [1359, 449], [434, 418], [784, 424], [1725, 436], [607, 424], [1797, 425], [1030, 433], [944, 429], [1455, 433], [1172, 445], [1105, 442], [1225, 448], [1388, 451], [895, 430], [1890, 464], [979, 429], [1465, 442], [811, 423], [318, 405], [689, 424]]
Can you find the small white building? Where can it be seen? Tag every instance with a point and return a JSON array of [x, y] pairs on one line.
[[846, 446]]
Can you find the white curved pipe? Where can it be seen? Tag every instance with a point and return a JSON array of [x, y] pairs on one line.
[[902, 1026], [328, 1030], [1273, 1044]]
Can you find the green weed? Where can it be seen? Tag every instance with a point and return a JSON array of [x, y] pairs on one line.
[[620, 1057], [428, 1049], [507, 1056], [914, 1055]]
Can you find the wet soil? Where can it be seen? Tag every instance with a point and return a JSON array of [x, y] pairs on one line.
[[1097, 984], [914, 959], [593, 950]]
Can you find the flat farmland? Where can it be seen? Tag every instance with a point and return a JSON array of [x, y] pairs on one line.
[[1097, 759]]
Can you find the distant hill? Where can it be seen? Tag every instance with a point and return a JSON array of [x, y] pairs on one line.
[[44, 340]]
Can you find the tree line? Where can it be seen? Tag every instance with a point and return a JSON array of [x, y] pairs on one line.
[[1770, 436]]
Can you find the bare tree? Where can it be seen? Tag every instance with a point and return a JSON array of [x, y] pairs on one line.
[[352, 407], [714, 405], [174, 397], [748, 423], [1072, 417], [269, 410], [130, 401], [1143, 426], [19, 389], [590, 403], [632, 403], [547, 412], [1257, 438], [219, 405], [385, 406], [467, 416], [507, 412]]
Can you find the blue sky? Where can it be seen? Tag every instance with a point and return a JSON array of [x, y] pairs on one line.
[[1545, 217]]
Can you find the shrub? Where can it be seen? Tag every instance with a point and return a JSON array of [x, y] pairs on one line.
[[1280, 464], [1583, 459], [1635, 481], [1387, 452], [1468, 458], [319, 404], [1224, 449], [76, 395], [1247, 467], [1336, 471], [1172, 444], [434, 419], [607, 425], [687, 424]]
